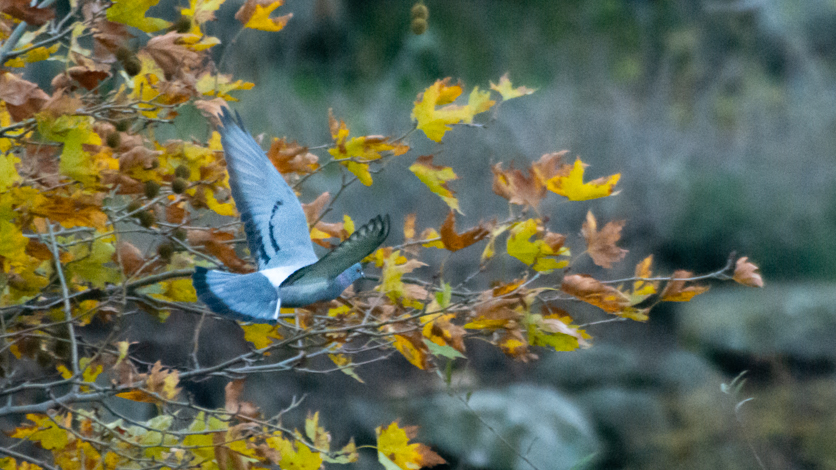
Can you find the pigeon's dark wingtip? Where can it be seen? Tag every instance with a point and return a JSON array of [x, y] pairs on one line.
[[227, 117]]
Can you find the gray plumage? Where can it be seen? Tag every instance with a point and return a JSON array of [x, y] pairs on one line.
[[289, 273]]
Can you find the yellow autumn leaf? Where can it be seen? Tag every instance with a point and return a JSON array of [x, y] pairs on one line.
[[89, 260], [572, 186], [394, 267], [414, 352], [132, 13], [435, 121], [220, 85], [50, 432], [393, 447], [261, 335], [202, 11], [73, 131], [178, 290], [261, 20], [354, 153], [12, 245], [436, 178], [226, 208], [507, 90], [294, 455], [538, 254]]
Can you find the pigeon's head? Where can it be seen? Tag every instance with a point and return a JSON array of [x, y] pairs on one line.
[[350, 275]]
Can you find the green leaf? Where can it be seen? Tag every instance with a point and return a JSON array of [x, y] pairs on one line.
[[443, 351]]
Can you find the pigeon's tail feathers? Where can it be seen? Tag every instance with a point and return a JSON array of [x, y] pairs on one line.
[[247, 297]]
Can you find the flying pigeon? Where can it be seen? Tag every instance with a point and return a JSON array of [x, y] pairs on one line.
[[289, 273]]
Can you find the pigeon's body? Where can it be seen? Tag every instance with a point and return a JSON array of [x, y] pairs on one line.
[[289, 275]]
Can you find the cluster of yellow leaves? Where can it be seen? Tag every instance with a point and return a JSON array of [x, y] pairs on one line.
[[356, 153], [396, 453]]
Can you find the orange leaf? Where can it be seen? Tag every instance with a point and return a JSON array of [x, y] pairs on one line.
[[526, 189], [675, 290], [744, 273], [212, 241], [593, 292], [601, 245], [454, 241], [290, 157], [572, 186]]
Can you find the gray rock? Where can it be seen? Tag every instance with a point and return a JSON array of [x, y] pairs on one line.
[[790, 320], [540, 424]]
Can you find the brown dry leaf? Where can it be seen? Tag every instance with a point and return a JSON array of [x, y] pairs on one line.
[[454, 241], [176, 213], [290, 157], [169, 53], [601, 245], [593, 292], [88, 78], [212, 241], [211, 109], [108, 36], [131, 257], [124, 183], [744, 273], [675, 290], [528, 189], [514, 345], [138, 157], [22, 10], [234, 405], [409, 227], [495, 313], [23, 98], [162, 382], [314, 208]]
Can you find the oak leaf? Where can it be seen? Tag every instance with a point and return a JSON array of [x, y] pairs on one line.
[[571, 184], [744, 273], [601, 245]]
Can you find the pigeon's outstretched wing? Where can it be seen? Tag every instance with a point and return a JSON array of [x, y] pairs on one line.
[[248, 297], [277, 231], [360, 244]]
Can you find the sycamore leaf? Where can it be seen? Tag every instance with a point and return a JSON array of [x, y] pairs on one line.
[[643, 288], [290, 157], [261, 335], [89, 261], [354, 153], [12, 245], [675, 290], [571, 185], [553, 328], [593, 292], [73, 132], [22, 98], [202, 10], [434, 121], [440, 331], [601, 245], [454, 241], [215, 242], [49, 432], [255, 14], [294, 455], [345, 365], [393, 447], [413, 348], [132, 13], [540, 253], [507, 90], [29, 12], [220, 85], [394, 267], [160, 381], [744, 273], [493, 314], [436, 178]]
